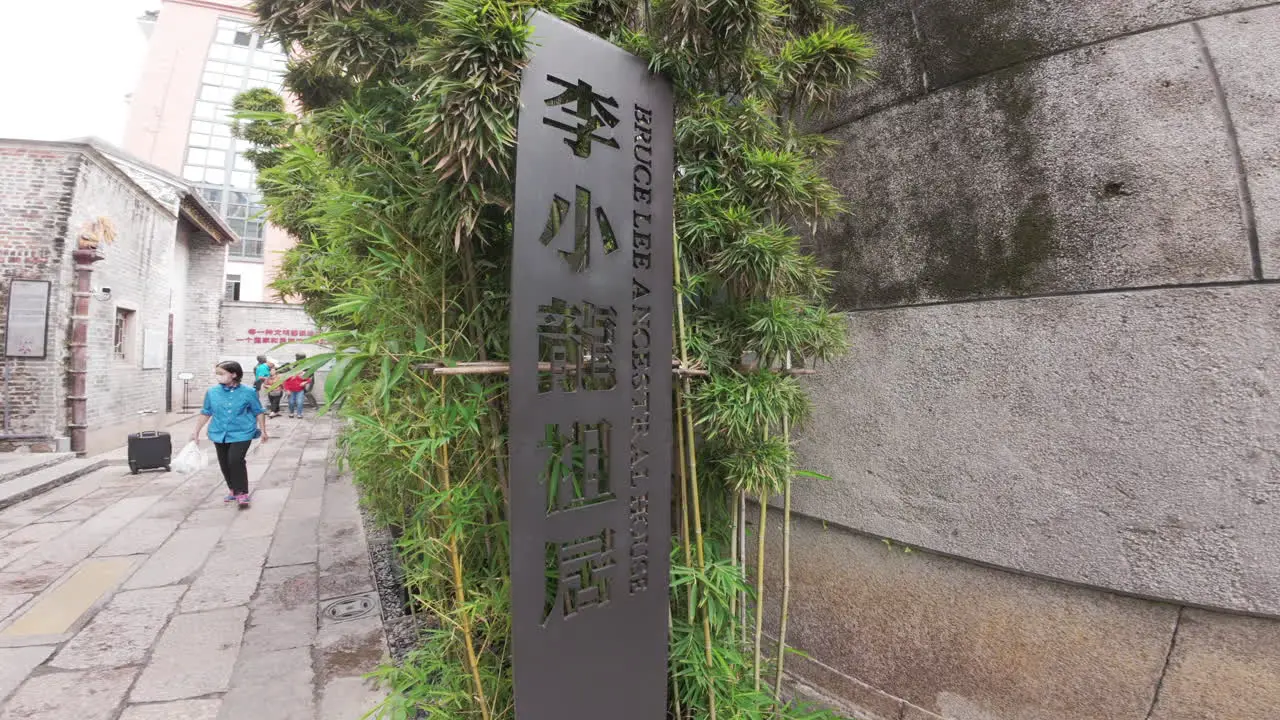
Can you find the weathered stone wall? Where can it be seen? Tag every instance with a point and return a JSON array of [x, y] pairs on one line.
[[122, 394], [1059, 276], [35, 201]]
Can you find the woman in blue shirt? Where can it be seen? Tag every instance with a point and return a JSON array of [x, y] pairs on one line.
[[235, 418]]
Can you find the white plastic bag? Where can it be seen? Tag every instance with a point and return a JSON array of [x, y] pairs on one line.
[[191, 460]]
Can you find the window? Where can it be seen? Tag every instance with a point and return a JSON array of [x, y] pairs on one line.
[[123, 334], [240, 58], [233, 287]]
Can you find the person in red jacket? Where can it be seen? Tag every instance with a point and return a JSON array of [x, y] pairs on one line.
[[296, 386]]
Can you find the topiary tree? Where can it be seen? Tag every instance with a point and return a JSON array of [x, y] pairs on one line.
[[396, 180]]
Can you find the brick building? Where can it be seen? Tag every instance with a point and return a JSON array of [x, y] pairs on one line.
[[153, 310]]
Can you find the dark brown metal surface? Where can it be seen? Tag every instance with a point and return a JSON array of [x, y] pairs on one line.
[[591, 433]]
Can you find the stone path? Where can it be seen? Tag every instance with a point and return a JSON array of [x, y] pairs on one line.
[[144, 597]]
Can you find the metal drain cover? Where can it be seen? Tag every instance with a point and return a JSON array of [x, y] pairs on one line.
[[349, 608]]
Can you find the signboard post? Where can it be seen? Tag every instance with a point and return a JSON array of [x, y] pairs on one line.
[[591, 381], [27, 320]]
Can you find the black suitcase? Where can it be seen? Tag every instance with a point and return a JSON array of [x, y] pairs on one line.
[[149, 450]]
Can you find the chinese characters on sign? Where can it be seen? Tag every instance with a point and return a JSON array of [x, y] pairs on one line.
[[590, 382], [275, 336]]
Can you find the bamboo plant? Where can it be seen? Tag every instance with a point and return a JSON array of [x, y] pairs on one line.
[[395, 177]]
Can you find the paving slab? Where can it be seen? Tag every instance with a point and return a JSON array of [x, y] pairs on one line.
[[31, 581], [92, 695], [283, 613], [10, 604], [344, 653], [230, 577], [344, 556], [59, 609], [36, 483], [123, 633], [140, 537], [29, 511], [180, 710], [22, 541], [81, 541], [261, 520], [178, 559], [17, 663], [195, 657], [285, 676], [296, 542]]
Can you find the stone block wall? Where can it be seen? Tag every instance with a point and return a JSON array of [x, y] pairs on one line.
[[35, 201], [1059, 277]]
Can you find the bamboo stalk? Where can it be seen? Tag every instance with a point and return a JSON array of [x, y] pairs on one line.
[[693, 460], [733, 552], [741, 562], [493, 367], [764, 518], [460, 595], [786, 563], [455, 557], [685, 538]]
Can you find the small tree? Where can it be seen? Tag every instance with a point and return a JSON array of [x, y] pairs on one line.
[[397, 182]]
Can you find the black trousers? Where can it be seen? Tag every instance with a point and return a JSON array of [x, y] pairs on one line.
[[231, 460], [274, 401]]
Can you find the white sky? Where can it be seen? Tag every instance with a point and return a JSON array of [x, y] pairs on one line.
[[67, 65]]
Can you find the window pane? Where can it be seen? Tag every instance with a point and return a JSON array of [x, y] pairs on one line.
[[223, 130], [242, 38], [209, 92], [194, 174], [222, 143], [241, 179], [215, 67], [197, 140], [219, 52], [196, 156], [225, 35], [238, 55], [201, 127], [240, 198], [242, 163], [205, 110], [215, 177]]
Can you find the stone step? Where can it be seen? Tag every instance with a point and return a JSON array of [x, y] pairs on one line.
[[41, 481], [15, 465]]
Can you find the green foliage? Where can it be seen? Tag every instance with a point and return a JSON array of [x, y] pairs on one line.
[[396, 181]]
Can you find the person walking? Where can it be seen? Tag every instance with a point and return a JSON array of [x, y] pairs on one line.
[[235, 418], [296, 386], [260, 373], [275, 391]]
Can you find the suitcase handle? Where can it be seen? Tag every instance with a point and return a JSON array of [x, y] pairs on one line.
[[149, 434]]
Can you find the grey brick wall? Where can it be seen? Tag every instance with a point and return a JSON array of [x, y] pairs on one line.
[[203, 314], [35, 201], [137, 268], [157, 265]]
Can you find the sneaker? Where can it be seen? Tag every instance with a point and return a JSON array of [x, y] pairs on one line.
[[243, 500], [229, 498]]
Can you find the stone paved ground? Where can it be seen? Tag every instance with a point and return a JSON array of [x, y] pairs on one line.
[[145, 598]]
